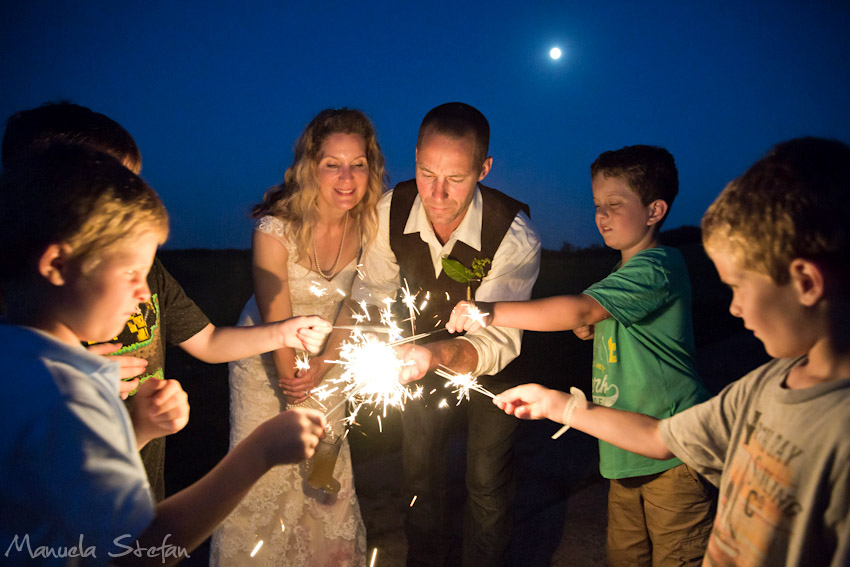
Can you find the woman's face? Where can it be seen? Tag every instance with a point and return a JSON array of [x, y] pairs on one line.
[[342, 171]]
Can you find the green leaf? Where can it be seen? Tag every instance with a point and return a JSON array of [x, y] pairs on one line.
[[457, 271]]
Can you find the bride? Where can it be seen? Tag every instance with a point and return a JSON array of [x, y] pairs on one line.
[[306, 246]]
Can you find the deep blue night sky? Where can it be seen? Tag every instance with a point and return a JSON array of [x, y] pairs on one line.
[[215, 93]]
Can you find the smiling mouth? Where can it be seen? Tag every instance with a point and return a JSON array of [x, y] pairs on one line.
[[345, 191]]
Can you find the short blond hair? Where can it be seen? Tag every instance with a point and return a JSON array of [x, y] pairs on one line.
[[76, 196], [792, 203]]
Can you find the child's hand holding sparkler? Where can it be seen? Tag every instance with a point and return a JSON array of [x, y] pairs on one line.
[[306, 332], [290, 436], [533, 401], [470, 317]]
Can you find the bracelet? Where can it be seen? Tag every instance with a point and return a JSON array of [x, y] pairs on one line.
[[576, 396]]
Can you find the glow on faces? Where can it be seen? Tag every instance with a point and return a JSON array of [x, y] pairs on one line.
[[446, 176], [97, 304], [623, 221], [342, 171], [769, 310]]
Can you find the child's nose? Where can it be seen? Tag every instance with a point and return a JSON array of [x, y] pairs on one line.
[[143, 293]]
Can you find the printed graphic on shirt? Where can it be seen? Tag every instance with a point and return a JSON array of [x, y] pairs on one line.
[[138, 329], [759, 501], [142, 338], [604, 393]]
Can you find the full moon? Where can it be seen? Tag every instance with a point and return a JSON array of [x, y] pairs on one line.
[[555, 53]]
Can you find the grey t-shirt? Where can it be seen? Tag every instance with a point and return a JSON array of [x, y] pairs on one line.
[[781, 459]]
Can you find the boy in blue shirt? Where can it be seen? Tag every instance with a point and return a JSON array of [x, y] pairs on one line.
[[79, 233], [659, 511]]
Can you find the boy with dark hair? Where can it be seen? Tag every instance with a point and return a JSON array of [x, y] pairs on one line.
[[775, 441], [168, 317], [68, 123], [659, 511], [79, 232]]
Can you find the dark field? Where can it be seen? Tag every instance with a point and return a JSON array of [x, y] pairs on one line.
[[559, 494]]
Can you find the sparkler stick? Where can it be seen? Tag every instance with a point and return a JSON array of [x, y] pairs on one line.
[[416, 337], [367, 328]]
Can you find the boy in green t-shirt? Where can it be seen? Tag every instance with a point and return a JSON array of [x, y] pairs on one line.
[[775, 442], [659, 511]]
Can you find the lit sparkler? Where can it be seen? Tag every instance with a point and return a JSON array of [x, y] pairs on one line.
[[462, 383], [370, 375]]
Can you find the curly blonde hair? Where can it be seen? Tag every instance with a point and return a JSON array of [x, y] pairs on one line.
[[790, 204], [296, 199]]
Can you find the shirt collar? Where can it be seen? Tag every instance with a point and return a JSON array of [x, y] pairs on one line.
[[31, 342], [468, 231]]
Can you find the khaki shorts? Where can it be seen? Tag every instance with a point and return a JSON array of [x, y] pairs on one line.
[[659, 520]]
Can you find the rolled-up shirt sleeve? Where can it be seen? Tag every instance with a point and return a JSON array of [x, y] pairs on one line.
[[514, 271]]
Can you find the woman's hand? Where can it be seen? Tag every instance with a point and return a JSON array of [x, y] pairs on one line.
[[297, 388]]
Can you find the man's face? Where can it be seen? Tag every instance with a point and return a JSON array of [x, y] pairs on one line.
[[446, 176]]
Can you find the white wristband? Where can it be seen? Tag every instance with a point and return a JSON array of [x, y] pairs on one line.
[[576, 397]]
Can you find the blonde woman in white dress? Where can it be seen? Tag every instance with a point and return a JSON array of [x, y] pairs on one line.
[[306, 245]]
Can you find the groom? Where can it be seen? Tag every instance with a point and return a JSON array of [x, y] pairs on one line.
[[445, 211]]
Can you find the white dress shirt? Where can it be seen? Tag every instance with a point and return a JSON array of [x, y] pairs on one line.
[[513, 271]]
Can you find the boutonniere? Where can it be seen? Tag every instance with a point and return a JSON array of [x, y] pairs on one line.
[[472, 275]]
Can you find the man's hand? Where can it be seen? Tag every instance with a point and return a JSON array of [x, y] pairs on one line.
[[470, 317], [131, 366], [532, 401], [585, 333], [292, 436], [418, 361], [160, 408], [306, 332]]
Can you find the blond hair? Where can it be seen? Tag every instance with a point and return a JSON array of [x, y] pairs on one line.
[[296, 199], [793, 203], [76, 196]]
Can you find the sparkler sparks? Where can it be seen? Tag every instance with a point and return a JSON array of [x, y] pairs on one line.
[[370, 376], [409, 300], [462, 383], [317, 289], [476, 315]]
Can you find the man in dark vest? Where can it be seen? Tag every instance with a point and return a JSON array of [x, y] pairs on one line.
[[445, 211]]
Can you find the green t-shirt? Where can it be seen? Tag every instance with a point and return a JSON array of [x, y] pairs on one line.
[[643, 355]]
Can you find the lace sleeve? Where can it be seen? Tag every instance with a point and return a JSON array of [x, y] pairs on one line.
[[273, 226]]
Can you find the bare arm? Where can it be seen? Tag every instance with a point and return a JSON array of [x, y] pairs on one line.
[[223, 344], [631, 431], [190, 516], [557, 313]]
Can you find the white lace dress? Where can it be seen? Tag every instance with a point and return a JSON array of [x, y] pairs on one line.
[[299, 525]]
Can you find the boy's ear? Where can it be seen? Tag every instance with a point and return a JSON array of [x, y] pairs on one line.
[[808, 281], [53, 263], [657, 210]]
